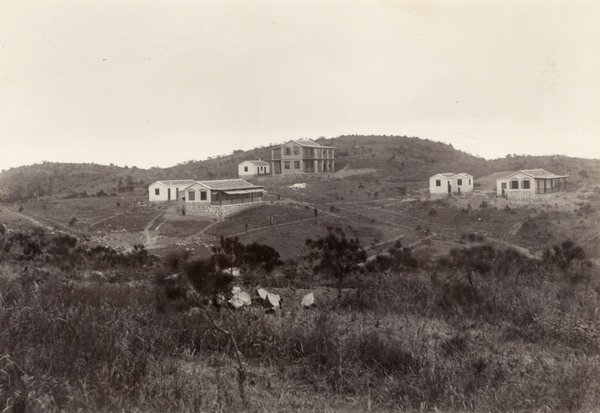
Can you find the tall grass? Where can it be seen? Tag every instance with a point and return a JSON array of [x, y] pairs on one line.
[[515, 335]]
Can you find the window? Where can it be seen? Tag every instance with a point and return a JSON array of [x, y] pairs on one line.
[[526, 184], [192, 195], [287, 151], [459, 182], [296, 164], [202, 195], [245, 169], [157, 191], [296, 150], [469, 182], [286, 164], [438, 182], [514, 184]]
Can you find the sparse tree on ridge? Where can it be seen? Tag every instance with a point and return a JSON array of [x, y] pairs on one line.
[[337, 257]]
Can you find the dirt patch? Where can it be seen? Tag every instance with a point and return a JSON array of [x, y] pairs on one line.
[[181, 228], [126, 222]]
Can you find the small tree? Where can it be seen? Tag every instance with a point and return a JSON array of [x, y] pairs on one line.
[[208, 280], [256, 254], [228, 253], [336, 257]]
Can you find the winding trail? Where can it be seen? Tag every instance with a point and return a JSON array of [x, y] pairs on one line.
[[93, 224], [150, 239], [203, 230]]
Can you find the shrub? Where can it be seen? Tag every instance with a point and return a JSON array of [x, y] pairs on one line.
[[206, 279], [255, 255], [562, 255], [336, 256]]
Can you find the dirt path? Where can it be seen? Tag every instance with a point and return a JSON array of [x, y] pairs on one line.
[[150, 239], [283, 224], [514, 229], [93, 224], [58, 227], [202, 231]]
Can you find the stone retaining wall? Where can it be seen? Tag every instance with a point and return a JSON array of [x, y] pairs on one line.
[[526, 196], [219, 211], [445, 195]]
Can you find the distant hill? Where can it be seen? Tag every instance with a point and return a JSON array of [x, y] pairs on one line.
[[395, 158]]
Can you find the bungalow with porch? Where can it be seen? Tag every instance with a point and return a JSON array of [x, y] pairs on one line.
[[446, 184], [530, 184], [214, 198], [254, 168]]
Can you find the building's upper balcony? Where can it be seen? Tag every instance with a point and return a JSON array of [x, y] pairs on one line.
[[302, 153]]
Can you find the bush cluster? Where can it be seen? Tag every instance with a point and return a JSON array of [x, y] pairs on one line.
[[482, 329], [68, 252]]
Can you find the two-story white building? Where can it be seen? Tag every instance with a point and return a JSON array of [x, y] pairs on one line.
[[302, 157]]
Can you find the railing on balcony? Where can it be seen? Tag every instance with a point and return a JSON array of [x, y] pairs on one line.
[[236, 201], [548, 190], [316, 154]]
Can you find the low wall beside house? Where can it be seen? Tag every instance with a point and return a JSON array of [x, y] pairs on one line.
[[525, 196], [437, 195], [440, 195], [220, 211]]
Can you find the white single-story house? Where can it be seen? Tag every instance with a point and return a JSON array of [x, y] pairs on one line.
[[219, 197], [167, 190], [530, 184], [222, 192], [254, 168], [445, 184]]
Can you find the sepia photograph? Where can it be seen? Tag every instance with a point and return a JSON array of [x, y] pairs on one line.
[[300, 206]]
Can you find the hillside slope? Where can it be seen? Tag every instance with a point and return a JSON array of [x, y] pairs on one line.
[[395, 159]]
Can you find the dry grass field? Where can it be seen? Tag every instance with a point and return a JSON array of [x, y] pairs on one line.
[[487, 305]]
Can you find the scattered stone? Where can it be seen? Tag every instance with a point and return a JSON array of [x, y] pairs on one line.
[[308, 300], [194, 311], [240, 299], [267, 299]]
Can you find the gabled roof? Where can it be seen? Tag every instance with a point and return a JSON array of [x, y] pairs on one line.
[[195, 183], [450, 175], [176, 182], [307, 144], [536, 174], [447, 175], [257, 163], [228, 184], [220, 185]]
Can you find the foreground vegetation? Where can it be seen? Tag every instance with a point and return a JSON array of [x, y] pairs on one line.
[[481, 329]]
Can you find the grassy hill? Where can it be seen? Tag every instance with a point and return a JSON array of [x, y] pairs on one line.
[[470, 303], [393, 159]]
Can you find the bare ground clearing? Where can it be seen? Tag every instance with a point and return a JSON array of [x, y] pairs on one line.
[[377, 222]]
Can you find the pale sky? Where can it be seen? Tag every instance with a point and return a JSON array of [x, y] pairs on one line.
[[155, 83]]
